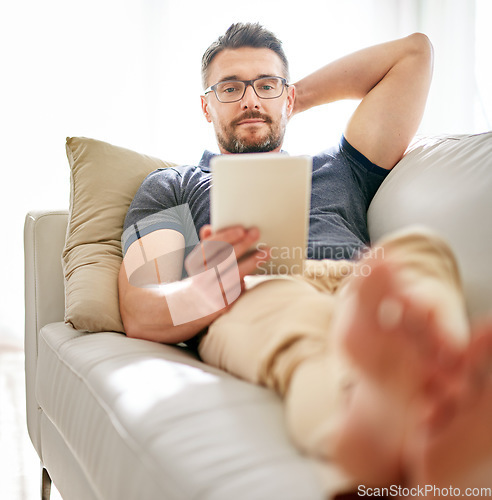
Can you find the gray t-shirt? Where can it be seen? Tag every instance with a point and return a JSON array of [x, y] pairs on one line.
[[343, 184]]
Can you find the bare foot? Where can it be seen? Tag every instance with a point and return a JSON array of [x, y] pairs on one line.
[[396, 345], [392, 339], [454, 443]]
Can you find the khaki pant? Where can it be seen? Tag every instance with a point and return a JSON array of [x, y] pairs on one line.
[[280, 332]]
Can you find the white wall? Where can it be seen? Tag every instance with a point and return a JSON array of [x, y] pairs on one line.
[[128, 72]]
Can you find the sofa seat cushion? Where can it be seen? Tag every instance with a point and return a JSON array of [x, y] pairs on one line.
[[179, 428]]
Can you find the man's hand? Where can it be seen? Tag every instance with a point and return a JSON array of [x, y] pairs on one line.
[[175, 311], [241, 241], [216, 269]]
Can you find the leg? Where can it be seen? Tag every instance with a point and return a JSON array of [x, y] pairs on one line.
[[45, 484], [395, 345], [393, 323], [268, 331], [274, 332], [277, 335], [429, 274]]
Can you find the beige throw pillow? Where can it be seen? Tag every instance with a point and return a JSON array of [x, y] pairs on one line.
[[103, 182]]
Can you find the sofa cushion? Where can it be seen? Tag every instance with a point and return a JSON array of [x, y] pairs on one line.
[[103, 182], [149, 421], [445, 183]]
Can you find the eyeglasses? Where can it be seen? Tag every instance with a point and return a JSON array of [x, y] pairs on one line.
[[269, 87]]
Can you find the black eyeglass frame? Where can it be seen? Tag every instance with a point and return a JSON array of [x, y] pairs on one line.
[[247, 83]]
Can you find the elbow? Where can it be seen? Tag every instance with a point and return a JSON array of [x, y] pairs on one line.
[[132, 329], [156, 332], [136, 329], [420, 49], [421, 44]]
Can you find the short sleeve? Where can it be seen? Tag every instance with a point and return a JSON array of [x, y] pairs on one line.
[[158, 205], [368, 175]]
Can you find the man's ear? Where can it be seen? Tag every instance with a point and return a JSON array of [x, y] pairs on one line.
[[205, 109], [291, 99]]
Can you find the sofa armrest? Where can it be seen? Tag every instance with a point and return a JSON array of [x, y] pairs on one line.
[[444, 183], [44, 237]]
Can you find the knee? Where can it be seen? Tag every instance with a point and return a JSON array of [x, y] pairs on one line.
[[419, 246]]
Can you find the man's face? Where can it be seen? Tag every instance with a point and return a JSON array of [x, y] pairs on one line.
[[251, 124]]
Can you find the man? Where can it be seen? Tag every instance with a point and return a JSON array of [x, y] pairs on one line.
[[351, 356]]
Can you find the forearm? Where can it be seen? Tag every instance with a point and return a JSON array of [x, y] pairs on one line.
[[355, 75], [176, 311], [146, 313]]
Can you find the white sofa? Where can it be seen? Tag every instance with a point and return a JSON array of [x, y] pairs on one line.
[[113, 418]]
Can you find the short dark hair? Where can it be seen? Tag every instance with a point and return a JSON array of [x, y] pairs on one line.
[[240, 35]]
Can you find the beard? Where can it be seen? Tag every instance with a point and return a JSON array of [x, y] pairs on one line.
[[229, 140]]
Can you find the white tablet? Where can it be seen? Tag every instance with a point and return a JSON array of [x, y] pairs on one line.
[[271, 191]]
